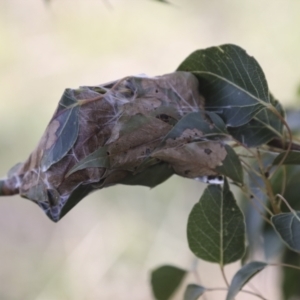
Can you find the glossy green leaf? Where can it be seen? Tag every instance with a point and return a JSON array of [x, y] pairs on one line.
[[231, 166], [243, 276], [293, 158], [165, 280], [261, 129], [193, 292], [232, 82], [216, 228], [98, 159], [65, 137], [287, 225]]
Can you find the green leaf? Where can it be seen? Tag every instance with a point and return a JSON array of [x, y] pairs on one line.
[[216, 228], [243, 276], [292, 190], [210, 124], [62, 130], [151, 177], [76, 196], [68, 100], [97, 159], [287, 225], [261, 129], [231, 166], [165, 280], [193, 292], [292, 158], [232, 82], [290, 282], [65, 137]]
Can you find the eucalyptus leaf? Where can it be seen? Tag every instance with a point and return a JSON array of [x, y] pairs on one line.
[[287, 225], [193, 292], [231, 81], [231, 166], [216, 228], [165, 280], [243, 276], [292, 158]]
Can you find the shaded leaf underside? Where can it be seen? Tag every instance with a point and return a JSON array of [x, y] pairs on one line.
[[287, 225], [243, 276]]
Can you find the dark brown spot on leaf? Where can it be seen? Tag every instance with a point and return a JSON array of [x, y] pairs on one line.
[[207, 151]]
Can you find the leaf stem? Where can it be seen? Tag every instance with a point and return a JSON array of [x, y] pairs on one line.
[[290, 142], [257, 209], [284, 265], [258, 199], [224, 275], [267, 183], [242, 291], [285, 202], [284, 180]]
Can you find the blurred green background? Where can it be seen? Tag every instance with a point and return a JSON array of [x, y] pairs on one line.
[[107, 245]]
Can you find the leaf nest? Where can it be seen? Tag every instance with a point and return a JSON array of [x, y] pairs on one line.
[[137, 130]]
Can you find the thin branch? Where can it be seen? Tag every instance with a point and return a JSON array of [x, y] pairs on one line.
[[267, 183], [285, 202], [258, 199], [284, 180], [242, 291], [284, 265], [290, 142]]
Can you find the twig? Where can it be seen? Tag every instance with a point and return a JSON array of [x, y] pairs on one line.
[[243, 291]]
